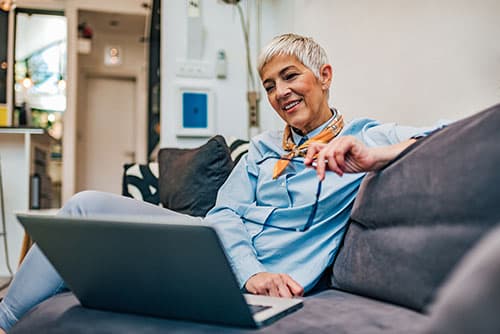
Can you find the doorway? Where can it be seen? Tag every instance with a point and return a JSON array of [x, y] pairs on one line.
[[106, 134], [111, 113]]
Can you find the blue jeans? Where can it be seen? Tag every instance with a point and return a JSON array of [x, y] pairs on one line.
[[36, 280]]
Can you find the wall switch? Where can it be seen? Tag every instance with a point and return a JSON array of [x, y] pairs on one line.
[[194, 69], [221, 65]]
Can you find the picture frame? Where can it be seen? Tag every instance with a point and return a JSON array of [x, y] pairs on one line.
[[196, 112]]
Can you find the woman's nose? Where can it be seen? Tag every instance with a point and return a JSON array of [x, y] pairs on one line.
[[282, 90]]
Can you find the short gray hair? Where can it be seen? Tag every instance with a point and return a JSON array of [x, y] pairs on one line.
[[305, 49]]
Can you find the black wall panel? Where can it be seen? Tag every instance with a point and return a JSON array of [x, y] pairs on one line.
[[154, 95], [4, 28]]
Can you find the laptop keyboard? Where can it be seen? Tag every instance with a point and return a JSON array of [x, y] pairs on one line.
[[257, 308]]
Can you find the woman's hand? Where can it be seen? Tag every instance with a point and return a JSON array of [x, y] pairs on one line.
[[276, 285], [349, 155]]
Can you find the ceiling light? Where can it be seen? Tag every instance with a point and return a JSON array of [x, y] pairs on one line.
[[6, 5]]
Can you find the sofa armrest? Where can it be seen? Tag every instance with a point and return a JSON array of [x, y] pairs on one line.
[[469, 301]]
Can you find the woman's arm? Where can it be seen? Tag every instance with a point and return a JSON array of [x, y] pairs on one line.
[[349, 155], [235, 195]]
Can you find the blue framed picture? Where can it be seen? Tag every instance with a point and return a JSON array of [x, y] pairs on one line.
[[194, 110], [196, 117]]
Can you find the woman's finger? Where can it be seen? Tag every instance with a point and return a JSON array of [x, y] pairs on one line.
[[312, 151]]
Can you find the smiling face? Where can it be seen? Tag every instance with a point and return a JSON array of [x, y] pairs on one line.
[[297, 95]]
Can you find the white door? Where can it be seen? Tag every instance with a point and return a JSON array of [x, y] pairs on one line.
[[105, 133]]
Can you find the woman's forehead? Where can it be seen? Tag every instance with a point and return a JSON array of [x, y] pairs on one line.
[[279, 63]]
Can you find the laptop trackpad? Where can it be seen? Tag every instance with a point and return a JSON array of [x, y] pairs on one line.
[[257, 308]]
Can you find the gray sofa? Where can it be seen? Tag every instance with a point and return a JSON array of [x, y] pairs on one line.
[[421, 254]]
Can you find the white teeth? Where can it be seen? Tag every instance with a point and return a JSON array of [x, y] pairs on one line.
[[291, 105]]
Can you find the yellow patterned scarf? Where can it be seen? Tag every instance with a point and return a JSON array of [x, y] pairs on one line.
[[327, 134]]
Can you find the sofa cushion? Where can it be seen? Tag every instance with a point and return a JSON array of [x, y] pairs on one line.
[[237, 147], [190, 178], [328, 312], [470, 299], [140, 181], [413, 221]]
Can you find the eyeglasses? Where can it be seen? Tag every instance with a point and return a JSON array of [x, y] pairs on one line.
[[314, 208]]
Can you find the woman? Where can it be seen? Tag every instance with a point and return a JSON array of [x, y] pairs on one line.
[[280, 221]]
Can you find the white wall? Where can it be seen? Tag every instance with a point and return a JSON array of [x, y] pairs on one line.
[[412, 62], [221, 31]]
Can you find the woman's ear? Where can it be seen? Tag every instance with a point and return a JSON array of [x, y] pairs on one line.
[[326, 75]]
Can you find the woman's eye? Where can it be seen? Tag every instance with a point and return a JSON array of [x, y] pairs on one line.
[[290, 76], [268, 88]]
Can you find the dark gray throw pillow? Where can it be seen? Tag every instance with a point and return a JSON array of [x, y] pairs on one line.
[[414, 220], [190, 178]]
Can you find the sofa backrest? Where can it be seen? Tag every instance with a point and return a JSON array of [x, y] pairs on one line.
[[414, 220]]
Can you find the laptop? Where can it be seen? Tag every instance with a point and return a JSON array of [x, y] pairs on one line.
[[174, 270]]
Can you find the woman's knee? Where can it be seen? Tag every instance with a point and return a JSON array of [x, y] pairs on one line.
[[84, 203]]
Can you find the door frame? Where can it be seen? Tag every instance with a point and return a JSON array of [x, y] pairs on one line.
[[72, 10]]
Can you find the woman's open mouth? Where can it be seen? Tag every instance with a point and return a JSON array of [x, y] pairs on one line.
[[291, 106]]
